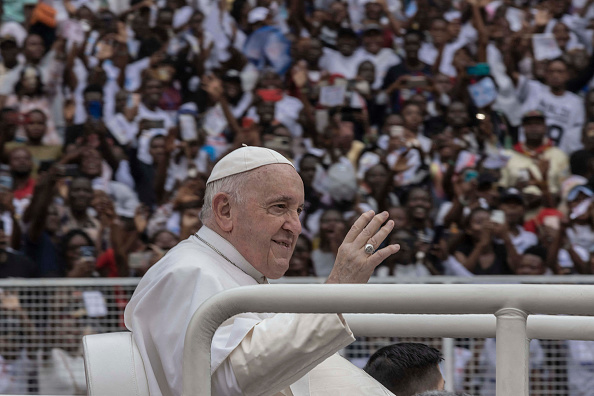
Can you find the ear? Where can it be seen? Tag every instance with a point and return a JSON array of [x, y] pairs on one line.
[[221, 208]]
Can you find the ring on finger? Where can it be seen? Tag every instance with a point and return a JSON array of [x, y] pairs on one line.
[[369, 249]]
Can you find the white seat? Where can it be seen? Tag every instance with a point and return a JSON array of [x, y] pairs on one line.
[[113, 365]]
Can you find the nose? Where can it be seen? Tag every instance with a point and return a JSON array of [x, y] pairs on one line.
[[292, 223]]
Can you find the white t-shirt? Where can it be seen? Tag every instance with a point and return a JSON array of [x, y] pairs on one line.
[[383, 60], [428, 54], [564, 114], [523, 240], [145, 137], [335, 63], [581, 235], [286, 111]]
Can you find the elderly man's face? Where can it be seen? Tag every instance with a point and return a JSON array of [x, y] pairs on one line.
[[266, 226]]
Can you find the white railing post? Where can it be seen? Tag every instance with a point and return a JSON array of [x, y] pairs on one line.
[[449, 362], [512, 371]]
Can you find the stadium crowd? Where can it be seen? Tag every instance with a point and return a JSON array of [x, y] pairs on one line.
[[470, 121]]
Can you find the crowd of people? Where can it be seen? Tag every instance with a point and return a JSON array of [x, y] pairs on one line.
[[471, 122], [468, 122]]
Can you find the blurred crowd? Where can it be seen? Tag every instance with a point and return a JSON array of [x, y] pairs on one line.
[[470, 121], [467, 120]]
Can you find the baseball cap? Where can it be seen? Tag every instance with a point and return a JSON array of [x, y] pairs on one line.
[[232, 75], [512, 195], [574, 192], [245, 159], [533, 115], [258, 14]]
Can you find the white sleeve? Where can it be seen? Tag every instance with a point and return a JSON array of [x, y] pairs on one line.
[[133, 73], [278, 351]]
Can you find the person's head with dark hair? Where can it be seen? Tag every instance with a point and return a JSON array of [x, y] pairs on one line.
[[457, 115], [379, 180], [412, 114], [347, 41], [557, 74], [533, 261], [269, 79], [91, 163], [195, 23], [140, 24], [438, 29], [21, 163], [9, 49], [9, 122], [307, 169], [406, 369], [157, 148], [413, 39], [278, 138], [80, 195], [476, 220], [29, 83], [301, 263], [579, 162], [587, 137], [418, 203], [73, 244], [165, 17], [366, 71], [151, 91], [35, 126], [34, 48], [372, 38]]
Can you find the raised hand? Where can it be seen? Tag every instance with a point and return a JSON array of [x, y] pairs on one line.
[[353, 264]]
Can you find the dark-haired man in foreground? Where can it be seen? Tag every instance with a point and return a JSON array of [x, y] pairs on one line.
[[407, 369]]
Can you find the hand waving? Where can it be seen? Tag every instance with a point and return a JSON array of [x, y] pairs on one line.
[[352, 264]]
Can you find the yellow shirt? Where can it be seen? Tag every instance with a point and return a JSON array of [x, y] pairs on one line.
[[39, 153]]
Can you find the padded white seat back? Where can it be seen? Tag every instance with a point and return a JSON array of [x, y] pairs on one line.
[[113, 365]]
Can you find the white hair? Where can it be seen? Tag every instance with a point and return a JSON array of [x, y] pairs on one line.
[[232, 185]]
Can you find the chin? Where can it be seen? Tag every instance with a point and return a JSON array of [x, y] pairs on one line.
[[278, 271]]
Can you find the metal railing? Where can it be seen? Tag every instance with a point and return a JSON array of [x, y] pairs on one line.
[[60, 316], [511, 304]]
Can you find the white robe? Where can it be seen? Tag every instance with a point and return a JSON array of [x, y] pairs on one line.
[[165, 299]]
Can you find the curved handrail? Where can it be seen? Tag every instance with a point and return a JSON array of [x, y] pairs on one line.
[[402, 299]]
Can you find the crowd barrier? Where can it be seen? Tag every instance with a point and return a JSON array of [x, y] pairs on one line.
[[42, 339]]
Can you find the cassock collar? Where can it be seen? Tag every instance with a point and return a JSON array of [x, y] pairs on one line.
[[225, 247]]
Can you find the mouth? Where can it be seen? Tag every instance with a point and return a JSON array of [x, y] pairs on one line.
[[283, 244]]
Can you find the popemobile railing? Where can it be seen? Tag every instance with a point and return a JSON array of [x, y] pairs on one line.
[[47, 300], [511, 305]]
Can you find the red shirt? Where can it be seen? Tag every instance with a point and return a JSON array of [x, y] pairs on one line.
[[26, 191]]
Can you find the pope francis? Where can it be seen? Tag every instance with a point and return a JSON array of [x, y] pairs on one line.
[[251, 223]]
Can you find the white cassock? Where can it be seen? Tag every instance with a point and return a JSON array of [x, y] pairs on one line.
[[167, 296]]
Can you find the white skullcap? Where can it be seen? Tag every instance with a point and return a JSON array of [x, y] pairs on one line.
[[245, 159], [258, 14]]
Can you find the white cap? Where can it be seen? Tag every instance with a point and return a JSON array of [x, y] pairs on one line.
[[452, 15], [245, 159], [258, 14]]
